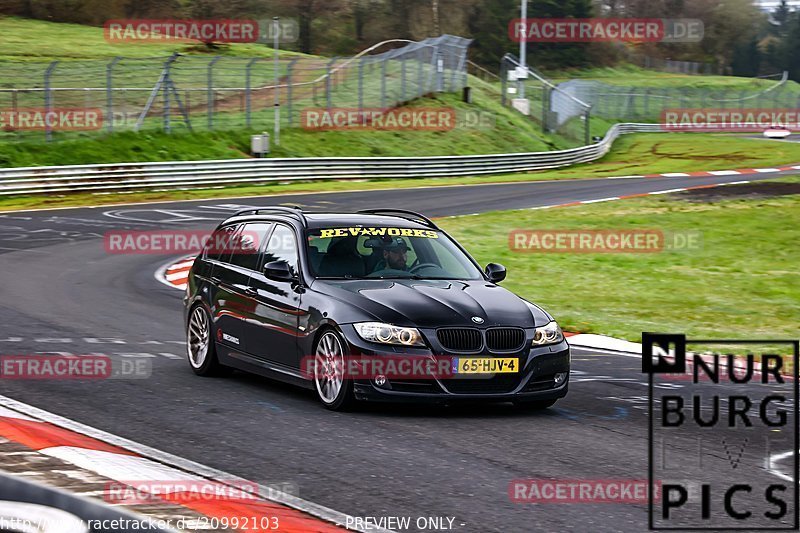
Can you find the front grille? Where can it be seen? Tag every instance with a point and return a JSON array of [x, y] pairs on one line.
[[505, 339], [423, 385], [460, 339], [498, 384]]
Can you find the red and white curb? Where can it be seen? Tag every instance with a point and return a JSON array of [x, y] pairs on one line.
[[175, 274], [704, 174], [127, 462], [605, 343]]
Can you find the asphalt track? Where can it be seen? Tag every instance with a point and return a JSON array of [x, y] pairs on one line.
[[63, 293]]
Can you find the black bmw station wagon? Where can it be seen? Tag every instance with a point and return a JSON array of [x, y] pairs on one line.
[[378, 305]]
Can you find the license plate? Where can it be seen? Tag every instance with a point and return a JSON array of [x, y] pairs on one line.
[[485, 365]]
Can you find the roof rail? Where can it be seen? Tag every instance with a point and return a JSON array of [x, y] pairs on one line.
[[290, 210], [409, 215]]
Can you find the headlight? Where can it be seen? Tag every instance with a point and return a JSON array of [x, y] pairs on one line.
[[388, 334], [549, 334]]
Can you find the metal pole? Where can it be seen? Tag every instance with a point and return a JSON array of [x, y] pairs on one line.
[[289, 71], [361, 86], [328, 84], [247, 92], [523, 47], [383, 83], [403, 79], [210, 95], [110, 93], [275, 30], [587, 134], [48, 99]]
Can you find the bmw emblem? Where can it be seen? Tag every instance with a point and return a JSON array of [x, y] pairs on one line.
[[477, 320]]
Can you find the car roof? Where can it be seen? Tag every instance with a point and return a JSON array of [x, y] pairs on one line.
[[334, 220], [327, 220]]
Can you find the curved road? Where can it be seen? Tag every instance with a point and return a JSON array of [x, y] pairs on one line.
[[63, 293]]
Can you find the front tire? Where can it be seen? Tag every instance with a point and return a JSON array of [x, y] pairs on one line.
[[335, 392], [200, 347]]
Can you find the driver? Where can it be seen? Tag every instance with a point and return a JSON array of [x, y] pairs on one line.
[[395, 254]]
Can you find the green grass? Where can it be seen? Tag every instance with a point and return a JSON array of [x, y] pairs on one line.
[[630, 75], [37, 40], [633, 154], [741, 284]]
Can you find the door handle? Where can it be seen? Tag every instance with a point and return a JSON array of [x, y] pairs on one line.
[[216, 280], [250, 291]]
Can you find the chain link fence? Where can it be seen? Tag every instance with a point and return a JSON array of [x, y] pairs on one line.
[[567, 108], [194, 93], [557, 111], [646, 104]]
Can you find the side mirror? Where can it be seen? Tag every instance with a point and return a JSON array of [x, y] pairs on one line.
[[279, 271], [495, 272]]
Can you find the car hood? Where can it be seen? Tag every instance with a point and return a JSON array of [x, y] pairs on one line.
[[435, 303]]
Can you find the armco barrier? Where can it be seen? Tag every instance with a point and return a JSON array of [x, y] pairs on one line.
[[176, 174], [24, 502]]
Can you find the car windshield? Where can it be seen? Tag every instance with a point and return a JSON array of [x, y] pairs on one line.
[[362, 252]]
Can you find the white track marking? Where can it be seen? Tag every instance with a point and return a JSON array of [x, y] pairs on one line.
[[160, 275], [610, 199], [765, 170], [668, 191], [676, 175], [169, 460], [724, 172], [177, 275], [8, 413], [771, 460]]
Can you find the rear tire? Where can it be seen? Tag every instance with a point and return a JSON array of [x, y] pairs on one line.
[[335, 392], [200, 346]]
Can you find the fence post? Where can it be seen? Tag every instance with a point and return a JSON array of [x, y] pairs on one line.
[[289, 69], [503, 76], [403, 80], [438, 70], [110, 93], [210, 96], [247, 88], [545, 106], [420, 75], [48, 98], [587, 129], [434, 77], [329, 85], [166, 85], [383, 82], [361, 86]]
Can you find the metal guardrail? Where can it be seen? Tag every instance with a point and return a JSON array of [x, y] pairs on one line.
[[178, 174], [27, 507]]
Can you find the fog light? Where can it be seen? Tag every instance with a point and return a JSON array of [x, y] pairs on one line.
[[560, 378], [380, 380]]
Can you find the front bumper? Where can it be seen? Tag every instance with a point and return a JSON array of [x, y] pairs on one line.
[[534, 381]]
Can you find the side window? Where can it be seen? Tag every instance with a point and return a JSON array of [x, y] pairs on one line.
[[218, 247], [248, 243], [282, 246]]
